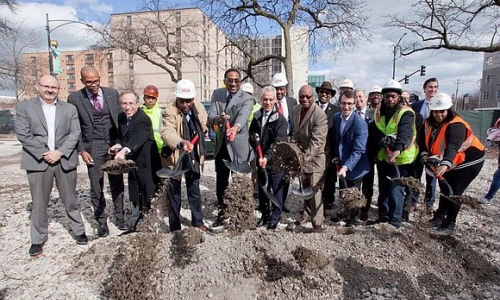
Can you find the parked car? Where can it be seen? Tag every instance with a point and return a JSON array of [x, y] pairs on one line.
[[209, 143]]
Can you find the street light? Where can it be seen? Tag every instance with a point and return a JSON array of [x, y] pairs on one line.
[[394, 59], [54, 43]]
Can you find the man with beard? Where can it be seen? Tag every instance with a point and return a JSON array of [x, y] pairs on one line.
[[422, 107], [310, 133], [325, 93], [284, 105], [394, 129]]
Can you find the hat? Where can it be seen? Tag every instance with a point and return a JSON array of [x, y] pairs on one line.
[[326, 85], [346, 83], [279, 79], [247, 87], [375, 89], [392, 86], [440, 101]]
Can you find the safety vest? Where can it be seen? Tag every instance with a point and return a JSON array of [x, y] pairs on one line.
[[439, 145], [409, 154], [255, 108], [155, 114]]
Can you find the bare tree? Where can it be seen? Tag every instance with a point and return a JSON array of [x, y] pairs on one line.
[[13, 69], [157, 35], [461, 25], [12, 6], [331, 24]]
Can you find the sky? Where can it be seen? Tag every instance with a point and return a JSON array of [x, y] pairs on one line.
[[367, 64]]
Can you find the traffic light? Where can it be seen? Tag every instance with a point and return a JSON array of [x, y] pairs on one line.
[[407, 79], [422, 70]]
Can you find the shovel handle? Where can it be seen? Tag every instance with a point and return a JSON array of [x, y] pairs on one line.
[[433, 169], [194, 141], [388, 151], [228, 126]]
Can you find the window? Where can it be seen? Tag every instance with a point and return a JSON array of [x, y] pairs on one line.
[[89, 56], [70, 67], [489, 78], [129, 20], [70, 58], [177, 16], [131, 64], [110, 65], [89, 64], [486, 95], [110, 55], [70, 76], [204, 79], [498, 95], [110, 74], [489, 61], [71, 86]]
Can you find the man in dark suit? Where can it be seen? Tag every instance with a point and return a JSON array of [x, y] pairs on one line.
[[230, 104], [366, 113], [348, 146], [284, 105], [325, 94], [311, 128], [98, 109], [135, 141], [48, 130], [421, 107]]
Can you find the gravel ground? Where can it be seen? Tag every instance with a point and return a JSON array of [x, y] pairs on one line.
[[362, 262]]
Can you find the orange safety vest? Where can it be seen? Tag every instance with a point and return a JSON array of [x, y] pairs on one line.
[[439, 144]]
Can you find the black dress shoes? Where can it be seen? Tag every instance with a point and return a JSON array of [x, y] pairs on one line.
[[272, 226], [286, 209], [263, 221], [36, 249], [218, 222], [82, 239], [103, 230], [122, 225]]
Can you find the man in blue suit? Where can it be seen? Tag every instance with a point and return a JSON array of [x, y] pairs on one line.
[[348, 145]]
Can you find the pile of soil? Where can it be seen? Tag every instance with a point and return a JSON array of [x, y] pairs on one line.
[[240, 204], [411, 183], [117, 166], [289, 158], [468, 200], [350, 198], [309, 259]]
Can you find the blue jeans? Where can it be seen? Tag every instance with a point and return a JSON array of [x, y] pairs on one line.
[[495, 185]]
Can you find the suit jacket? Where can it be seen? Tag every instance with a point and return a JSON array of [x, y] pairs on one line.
[[417, 106], [83, 104], [172, 130], [239, 110], [311, 136], [31, 130], [353, 140], [138, 137], [369, 114]]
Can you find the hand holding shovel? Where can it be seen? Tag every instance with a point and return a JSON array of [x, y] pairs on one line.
[[265, 178], [176, 171]]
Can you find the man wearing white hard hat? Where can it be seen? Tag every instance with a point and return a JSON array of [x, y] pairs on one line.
[[182, 121], [375, 97], [345, 85], [284, 105], [394, 131]]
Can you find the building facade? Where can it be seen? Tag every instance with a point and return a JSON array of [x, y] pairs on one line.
[[490, 83]]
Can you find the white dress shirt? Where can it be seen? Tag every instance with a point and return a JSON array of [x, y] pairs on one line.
[[49, 110]]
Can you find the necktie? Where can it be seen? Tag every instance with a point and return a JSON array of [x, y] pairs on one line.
[[188, 116], [323, 106], [96, 102], [128, 121], [360, 113], [427, 109], [228, 99], [280, 108]]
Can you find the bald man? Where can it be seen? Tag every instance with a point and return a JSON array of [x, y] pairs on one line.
[[98, 109], [48, 130]]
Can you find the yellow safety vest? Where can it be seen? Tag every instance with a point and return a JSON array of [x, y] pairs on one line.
[[155, 114]]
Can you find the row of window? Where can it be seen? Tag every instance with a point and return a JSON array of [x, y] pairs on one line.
[[490, 78], [89, 56], [486, 95]]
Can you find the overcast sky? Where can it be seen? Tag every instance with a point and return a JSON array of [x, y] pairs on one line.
[[369, 63]]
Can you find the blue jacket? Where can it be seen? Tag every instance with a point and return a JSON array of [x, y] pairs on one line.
[[353, 141]]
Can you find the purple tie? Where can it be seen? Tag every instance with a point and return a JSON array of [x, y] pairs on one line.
[[96, 102]]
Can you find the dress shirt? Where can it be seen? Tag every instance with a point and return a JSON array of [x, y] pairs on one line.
[[49, 110]]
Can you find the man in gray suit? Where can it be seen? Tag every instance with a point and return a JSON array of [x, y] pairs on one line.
[[234, 105], [98, 109], [48, 130]]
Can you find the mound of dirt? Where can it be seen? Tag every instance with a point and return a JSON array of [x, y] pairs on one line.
[[309, 259], [288, 157], [350, 198], [411, 183], [118, 166], [240, 204]]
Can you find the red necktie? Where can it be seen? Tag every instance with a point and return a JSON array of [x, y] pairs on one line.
[[280, 108]]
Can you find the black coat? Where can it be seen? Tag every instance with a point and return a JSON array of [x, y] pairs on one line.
[[274, 131]]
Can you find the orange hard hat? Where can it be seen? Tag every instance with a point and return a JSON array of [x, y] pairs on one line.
[[151, 91]]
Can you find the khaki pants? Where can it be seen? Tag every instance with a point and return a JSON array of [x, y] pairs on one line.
[[313, 208]]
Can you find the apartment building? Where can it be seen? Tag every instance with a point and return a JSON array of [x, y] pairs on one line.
[[490, 83]]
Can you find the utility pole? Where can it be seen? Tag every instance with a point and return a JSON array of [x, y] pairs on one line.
[[395, 48], [458, 82]]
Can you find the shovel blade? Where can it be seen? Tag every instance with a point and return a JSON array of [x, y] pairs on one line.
[[234, 166], [306, 193], [169, 173]]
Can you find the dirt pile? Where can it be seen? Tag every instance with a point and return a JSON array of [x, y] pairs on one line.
[[288, 157], [240, 204], [309, 259], [350, 198], [118, 166]]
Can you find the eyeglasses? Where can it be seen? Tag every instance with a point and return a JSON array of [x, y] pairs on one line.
[[90, 83], [48, 87], [305, 96], [324, 92], [232, 80], [346, 103]]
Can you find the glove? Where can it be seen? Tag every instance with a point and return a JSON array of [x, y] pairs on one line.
[[387, 141], [433, 160], [423, 160]]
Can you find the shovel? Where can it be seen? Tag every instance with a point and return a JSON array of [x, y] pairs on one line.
[[444, 181], [235, 165], [176, 171], [264, 183], [303, 193]]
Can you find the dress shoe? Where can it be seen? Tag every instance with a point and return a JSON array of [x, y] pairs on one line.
[[300, 221], [363, 215], [122, 225], [82, 239], [336, 218], [317, 227], [377, 221], [286, 209], [218, 222], [272, 226], [263, 221], [204, 228], [446, 229], [36, 249], [436, 221], [103, 230]]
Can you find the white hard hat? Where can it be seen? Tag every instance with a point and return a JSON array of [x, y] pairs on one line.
[[346, 83], [279, 79], [392, 86], [185, 89], [440, 101], [247, 87], [375, 89]]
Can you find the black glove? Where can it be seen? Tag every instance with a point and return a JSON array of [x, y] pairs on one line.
[[387, 141], [433, 161]]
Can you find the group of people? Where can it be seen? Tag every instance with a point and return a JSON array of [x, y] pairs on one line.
[[344, 138]]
